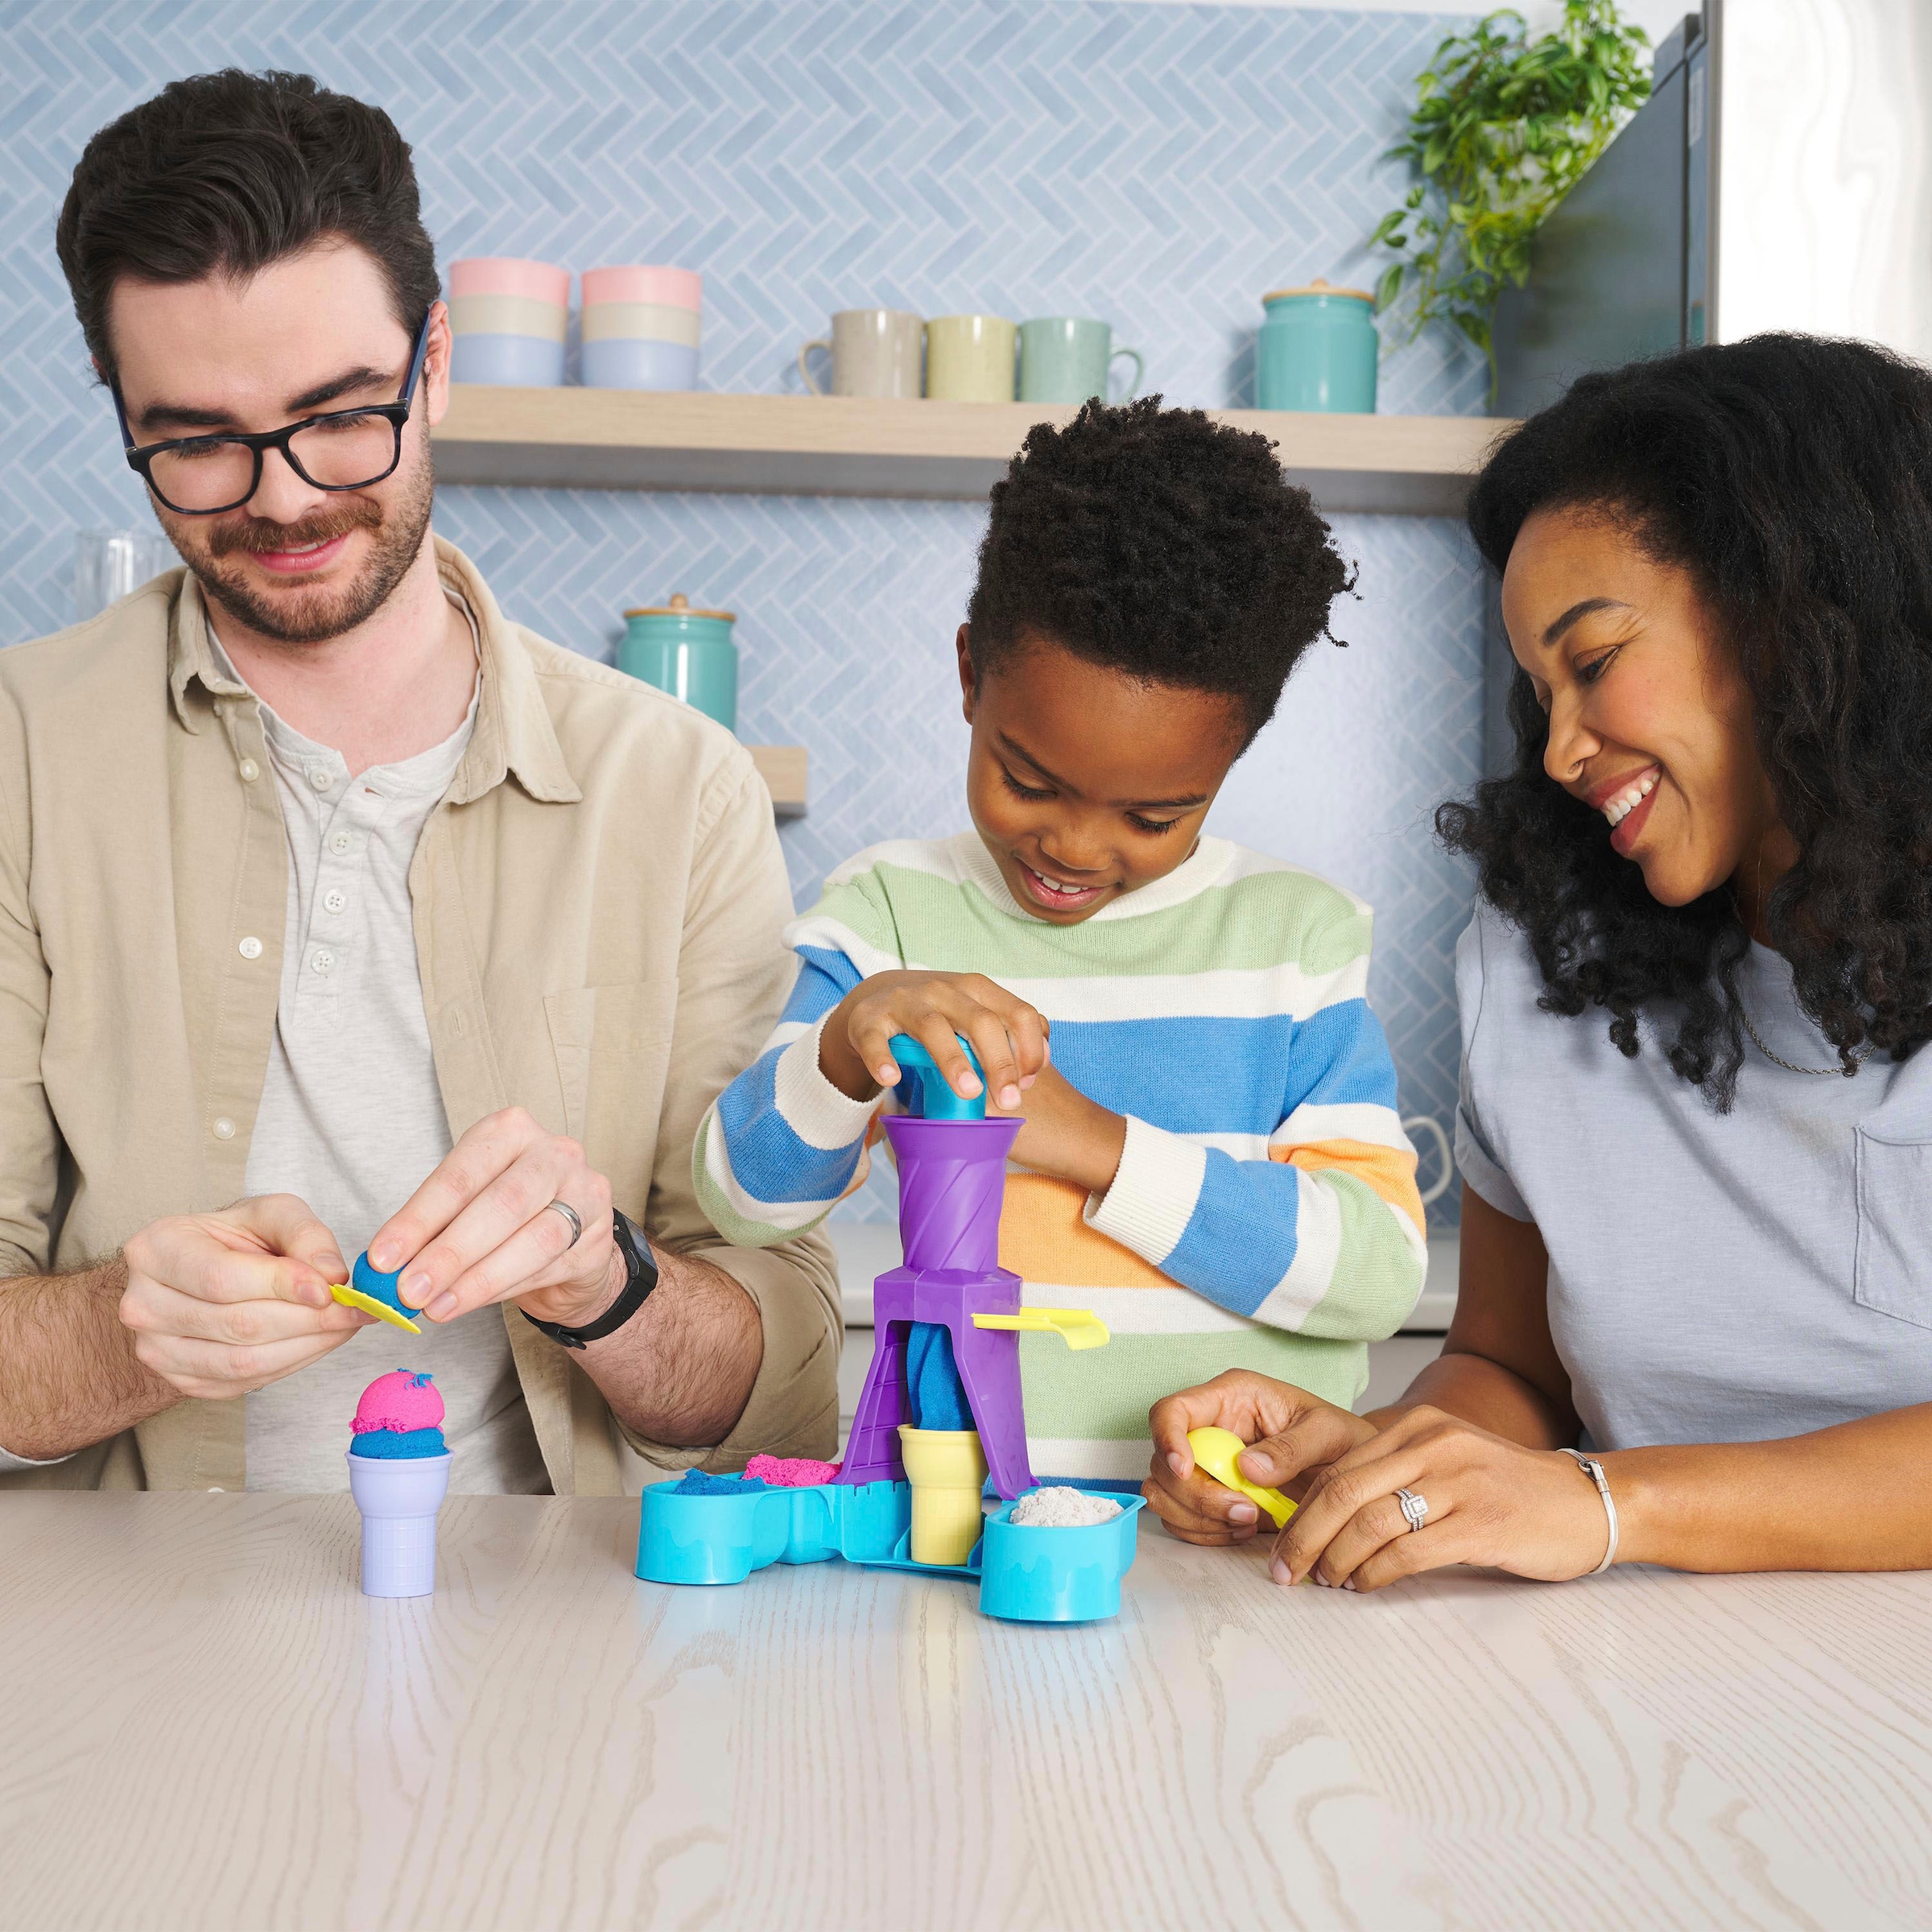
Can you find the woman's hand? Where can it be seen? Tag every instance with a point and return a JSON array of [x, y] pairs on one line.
[[1293, 1435], [1010, 1037], [1491, 1502]]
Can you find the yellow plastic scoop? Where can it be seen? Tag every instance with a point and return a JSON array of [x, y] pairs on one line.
[[1214, 1450], [1077, 1327], [354, 1297]]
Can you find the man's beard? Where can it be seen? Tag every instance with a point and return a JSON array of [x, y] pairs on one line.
[[313, 613]]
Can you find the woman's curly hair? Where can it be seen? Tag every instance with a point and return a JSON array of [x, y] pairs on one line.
[[1162, 545], [1792, 477]]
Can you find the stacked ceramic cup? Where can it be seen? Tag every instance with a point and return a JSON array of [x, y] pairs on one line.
[[641, 328], [510, 319]]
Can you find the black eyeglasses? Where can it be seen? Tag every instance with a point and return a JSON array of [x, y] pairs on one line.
[[349, 449]]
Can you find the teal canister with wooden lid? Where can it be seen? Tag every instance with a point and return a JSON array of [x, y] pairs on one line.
[[1317, 349], [688, 653]]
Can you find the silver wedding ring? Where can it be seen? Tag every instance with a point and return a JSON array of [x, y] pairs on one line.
[[570, 1213], [1415, 1508]]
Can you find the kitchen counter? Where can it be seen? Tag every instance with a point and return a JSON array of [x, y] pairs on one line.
[[206, 1725]]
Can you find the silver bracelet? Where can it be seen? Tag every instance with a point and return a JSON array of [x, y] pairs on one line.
[[1592, 1468]]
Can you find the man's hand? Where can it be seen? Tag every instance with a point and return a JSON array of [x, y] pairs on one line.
[[220, 1304], [479, 1231], [1293, 1436], [1009, 1036]]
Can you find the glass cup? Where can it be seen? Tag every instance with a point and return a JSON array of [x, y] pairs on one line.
[[109, 564]]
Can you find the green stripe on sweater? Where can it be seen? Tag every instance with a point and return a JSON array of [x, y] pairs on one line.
[[1105, 1394], [1377, 1275], [1271, 919]]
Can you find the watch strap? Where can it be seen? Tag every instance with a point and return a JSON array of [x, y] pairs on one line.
[[640, 1278]]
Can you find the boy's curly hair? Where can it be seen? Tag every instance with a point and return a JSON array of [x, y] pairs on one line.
[[1159, 544], [1792, 477]]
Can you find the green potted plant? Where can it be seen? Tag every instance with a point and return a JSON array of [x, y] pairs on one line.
[[1504, 126]]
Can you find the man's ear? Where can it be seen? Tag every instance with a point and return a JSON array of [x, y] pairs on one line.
[[969, 682]]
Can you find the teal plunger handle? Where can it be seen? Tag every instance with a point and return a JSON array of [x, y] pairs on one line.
[[925, 1093]]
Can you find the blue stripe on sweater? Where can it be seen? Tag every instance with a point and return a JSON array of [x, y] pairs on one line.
[[825, 976], [769, 1162], [1191, 1075], [1241, 1239]]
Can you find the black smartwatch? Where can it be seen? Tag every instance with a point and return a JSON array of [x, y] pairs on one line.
[[640, 1278]]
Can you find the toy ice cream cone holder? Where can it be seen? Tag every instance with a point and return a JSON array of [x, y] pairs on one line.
[[908, 1498]]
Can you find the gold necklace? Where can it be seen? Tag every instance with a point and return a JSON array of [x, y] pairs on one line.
[[1858, 1059], [1777, 1059]]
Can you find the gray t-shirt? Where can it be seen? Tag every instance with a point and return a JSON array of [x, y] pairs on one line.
[[1713, 1278], [352, 1117]]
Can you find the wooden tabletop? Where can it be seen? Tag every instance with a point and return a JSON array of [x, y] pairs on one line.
[[204, 1724]]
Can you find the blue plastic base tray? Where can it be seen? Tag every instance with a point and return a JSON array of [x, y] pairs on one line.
[[1027, 1574]]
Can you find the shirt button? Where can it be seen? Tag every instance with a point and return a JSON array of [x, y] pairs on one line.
[[320, 777], [340, 842], [249, 770], [333, 901], [250, 949], [224, 1129], [216, 1489], [324, 961]]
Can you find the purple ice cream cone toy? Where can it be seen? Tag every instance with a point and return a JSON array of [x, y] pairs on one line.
[[398, 1471]]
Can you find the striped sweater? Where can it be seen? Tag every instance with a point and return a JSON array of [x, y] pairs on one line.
[[1264, 1214]]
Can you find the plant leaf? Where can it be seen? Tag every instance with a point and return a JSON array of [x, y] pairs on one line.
[[1502, 128]]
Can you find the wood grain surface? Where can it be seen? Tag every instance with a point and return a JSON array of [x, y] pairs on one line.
[[204, 1724], [868, 446]]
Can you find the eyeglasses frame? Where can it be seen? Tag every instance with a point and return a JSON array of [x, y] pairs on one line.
[[258, 442]]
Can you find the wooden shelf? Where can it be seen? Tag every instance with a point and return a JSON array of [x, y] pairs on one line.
[[783, 768], [843, 446]]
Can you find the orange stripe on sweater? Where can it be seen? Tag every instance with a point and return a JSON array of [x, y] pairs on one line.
[[1390, 1170], [1044, 1237]]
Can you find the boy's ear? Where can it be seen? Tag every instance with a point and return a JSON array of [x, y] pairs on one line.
[[969, 682]]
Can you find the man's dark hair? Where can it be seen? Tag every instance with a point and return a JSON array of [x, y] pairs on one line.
[[1791, 478], [222, 174], [1160, 545]]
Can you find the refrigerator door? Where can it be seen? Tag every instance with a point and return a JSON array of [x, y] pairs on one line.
[[1607, 278]]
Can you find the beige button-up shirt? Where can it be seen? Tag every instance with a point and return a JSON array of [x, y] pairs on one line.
[[597, 902]]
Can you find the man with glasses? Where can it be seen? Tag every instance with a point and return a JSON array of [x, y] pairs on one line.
[[336, 910]]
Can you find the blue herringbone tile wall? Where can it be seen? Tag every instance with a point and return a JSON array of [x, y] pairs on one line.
[[1158, 165]]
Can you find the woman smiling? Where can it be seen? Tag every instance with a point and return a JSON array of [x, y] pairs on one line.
[[1695, 1322]]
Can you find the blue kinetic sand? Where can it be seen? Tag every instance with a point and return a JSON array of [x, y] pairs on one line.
[[932, 1383], [701, 1482], [398, 1445], [379, 1287], [1030, 1575]]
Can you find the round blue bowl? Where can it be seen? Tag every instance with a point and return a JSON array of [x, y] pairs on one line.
[[511, 362], [639, 362]]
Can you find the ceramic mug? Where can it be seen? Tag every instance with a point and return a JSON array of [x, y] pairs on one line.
[[875, 352], [1063, 359], [1433, 1128], [1317, 349], [969, 358]]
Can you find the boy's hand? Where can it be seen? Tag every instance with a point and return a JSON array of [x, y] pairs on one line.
[[1293, 1435], [1010, 1037], [1065, 1134]]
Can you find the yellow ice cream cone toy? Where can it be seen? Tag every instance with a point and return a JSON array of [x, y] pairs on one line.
[[947, 1468]]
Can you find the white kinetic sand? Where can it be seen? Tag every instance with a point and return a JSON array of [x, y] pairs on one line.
[[1059, 1508]]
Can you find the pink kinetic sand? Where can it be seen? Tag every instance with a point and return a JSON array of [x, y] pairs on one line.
[[791, 1471], [398, 1401]]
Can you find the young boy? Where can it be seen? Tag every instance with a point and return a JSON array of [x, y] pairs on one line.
[[1211, 1157]]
